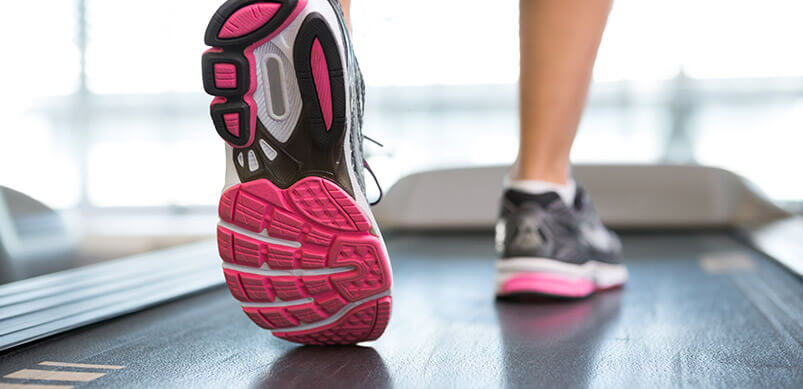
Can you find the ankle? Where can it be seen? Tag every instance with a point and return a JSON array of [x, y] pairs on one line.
[[567, 192], [559, 174], [345, 6]]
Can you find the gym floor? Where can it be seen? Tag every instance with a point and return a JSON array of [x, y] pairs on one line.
[[700, 309]]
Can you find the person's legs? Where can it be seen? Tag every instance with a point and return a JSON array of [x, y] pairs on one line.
[[550, 239], [559, 40], [346, 6]]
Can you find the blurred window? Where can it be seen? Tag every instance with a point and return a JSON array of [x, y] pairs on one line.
[[104, 106]]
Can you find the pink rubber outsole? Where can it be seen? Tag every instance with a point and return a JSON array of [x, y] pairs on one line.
[[247, 19], [320, 76], [348, 261], [548, 284]]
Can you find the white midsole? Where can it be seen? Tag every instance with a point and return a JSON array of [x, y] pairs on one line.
[[602, 274]]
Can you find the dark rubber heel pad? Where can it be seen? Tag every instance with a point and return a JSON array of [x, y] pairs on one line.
[[225, 74]]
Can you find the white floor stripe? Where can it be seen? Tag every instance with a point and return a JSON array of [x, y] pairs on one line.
[[81, 365], [33, 386], [53, 375]]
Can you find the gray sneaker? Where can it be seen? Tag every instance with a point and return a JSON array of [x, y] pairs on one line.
[[548, 248]]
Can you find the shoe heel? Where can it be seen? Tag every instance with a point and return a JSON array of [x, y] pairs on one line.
[[228, 68], [239, 23], [303, 261]]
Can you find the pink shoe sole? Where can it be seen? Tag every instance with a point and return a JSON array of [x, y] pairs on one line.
[[550, 285], [303, 261], [299, 253]]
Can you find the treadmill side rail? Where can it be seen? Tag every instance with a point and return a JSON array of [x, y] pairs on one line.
[[38, 307]]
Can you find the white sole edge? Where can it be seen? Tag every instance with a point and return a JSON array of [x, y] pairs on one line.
[[603, 275], [331, 319]]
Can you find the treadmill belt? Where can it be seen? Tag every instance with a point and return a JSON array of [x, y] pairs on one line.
[[700, 309]]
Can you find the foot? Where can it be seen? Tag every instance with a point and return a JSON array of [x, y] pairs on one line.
[[301, 250], [549, 248]]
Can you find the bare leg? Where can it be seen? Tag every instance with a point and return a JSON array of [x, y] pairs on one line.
[[559, 41], [346, 5]]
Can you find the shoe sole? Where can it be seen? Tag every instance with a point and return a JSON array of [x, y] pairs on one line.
[[300, 254], [553, 278]]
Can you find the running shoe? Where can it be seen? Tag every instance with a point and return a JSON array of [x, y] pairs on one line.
[[551, 249], [301, 250]]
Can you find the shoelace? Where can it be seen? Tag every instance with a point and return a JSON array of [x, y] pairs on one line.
[[368, 167]]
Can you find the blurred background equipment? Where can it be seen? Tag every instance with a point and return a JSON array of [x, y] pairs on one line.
[[114, 128], [34, 239], [106, 125]]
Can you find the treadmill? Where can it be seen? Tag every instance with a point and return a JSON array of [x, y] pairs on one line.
[[715, 299]]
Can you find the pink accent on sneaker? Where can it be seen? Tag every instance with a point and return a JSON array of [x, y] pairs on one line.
[[218, 100], [320, 75], [225, 75], [548, 284], [362, 323], [248, 19], [334, 233], [232, 121]]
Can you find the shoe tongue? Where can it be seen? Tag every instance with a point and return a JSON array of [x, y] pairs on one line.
[[543, 199]]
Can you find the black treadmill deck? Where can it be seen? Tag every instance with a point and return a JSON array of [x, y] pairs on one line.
[[700, 309]]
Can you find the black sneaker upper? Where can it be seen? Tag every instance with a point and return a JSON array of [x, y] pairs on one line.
[[543, 226]]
